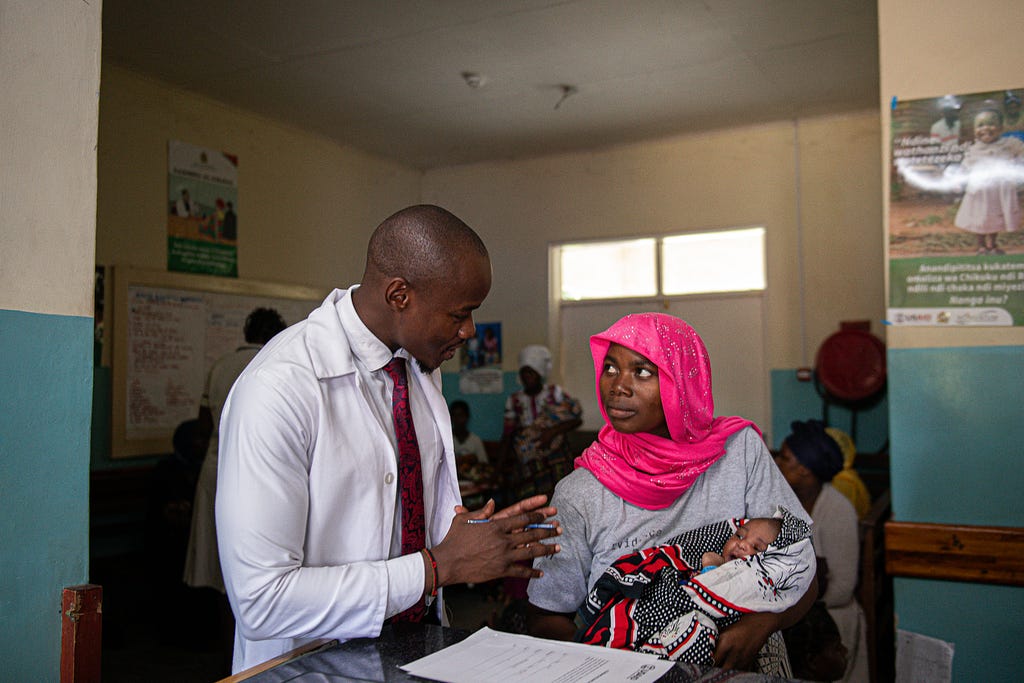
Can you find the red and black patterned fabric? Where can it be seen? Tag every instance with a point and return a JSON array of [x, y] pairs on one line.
[[655, 600]]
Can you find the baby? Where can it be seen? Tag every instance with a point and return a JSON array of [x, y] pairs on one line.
[[667, 601], [750, 538]]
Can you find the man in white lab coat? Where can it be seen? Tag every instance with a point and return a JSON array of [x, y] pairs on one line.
[[308, 508]]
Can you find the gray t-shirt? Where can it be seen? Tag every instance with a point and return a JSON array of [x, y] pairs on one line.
[[598, 527]]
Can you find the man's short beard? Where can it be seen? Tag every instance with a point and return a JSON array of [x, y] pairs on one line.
[[424, 368]]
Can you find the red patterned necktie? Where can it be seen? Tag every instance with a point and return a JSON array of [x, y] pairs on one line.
[[410, 475]]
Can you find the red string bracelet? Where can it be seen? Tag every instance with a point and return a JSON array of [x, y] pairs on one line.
[[433, 569]]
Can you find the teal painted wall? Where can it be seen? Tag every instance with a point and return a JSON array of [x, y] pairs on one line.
[[46, 378], [957, 418], [99, 457], [984, 623], [957, 447], [486, 411], [796, 400]]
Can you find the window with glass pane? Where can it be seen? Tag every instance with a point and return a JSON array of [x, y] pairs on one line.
[[607, 270], [726, 261]]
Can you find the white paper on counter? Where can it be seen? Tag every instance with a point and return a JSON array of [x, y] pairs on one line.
[[511, 658]]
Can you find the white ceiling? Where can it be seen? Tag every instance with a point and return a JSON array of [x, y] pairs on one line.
[[385, 76]]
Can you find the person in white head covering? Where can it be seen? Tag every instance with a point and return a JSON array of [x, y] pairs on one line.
[[534, 453], [537, 417], [947, 129]]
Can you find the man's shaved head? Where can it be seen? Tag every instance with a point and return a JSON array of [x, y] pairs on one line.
[[419, 244], [426, 272]]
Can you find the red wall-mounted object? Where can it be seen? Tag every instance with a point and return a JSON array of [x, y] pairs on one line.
[[850, 364]]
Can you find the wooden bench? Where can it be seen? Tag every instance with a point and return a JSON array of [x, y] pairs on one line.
[[875, 592], [956, 552]]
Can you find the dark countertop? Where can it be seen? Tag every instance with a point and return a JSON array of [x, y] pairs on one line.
[[366, 659], [377, 660]]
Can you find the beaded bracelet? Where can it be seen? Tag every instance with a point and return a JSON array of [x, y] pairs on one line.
[[433, 569]]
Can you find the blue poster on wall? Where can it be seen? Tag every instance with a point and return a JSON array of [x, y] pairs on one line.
[[481, 361], [956, 244]]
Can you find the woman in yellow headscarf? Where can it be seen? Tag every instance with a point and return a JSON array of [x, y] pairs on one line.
[[848, 482]]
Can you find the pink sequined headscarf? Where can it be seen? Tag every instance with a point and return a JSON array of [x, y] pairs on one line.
[[647, 470]]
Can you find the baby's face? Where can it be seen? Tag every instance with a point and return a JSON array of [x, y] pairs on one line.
[[987, 128], [752, 537]]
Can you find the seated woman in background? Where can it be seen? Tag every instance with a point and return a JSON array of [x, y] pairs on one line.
[[808, 460], [537, 418], [661, 463], [847, 481], [476, 477]]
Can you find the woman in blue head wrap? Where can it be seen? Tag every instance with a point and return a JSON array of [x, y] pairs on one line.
[[809, 459]]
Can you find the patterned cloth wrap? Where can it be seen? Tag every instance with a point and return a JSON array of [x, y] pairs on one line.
[[656, 600]]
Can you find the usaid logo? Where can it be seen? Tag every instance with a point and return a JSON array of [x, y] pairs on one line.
[[915, 318]]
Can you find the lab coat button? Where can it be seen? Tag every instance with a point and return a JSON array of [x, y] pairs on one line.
[[389, 478]]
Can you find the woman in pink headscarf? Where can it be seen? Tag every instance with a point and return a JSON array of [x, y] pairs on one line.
[[663, 463]]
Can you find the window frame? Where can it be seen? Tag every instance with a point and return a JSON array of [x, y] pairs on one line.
[[555, 274]]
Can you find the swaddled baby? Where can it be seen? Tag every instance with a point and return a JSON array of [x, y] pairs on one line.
[[667, 601]]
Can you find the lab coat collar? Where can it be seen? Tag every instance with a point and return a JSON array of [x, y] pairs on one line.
[[329, 348], [328, 344]]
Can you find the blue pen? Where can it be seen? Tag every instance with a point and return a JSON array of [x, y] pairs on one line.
[[528, 526]]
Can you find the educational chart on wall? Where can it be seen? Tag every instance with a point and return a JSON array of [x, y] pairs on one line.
[[169, 328], [202, 216], [956, 244], [174, 337]]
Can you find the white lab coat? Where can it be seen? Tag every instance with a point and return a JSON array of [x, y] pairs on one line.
[[307, 490]]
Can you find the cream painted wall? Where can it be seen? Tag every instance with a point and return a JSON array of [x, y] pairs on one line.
[[974, 57], [737, 177], [841, 217], [306, 205], [299, 192], [47, 155]]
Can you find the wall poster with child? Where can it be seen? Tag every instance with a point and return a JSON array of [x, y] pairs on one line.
[[956, 244]]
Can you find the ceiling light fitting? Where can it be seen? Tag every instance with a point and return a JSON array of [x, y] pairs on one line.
[[567, 91], [473, 79]]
